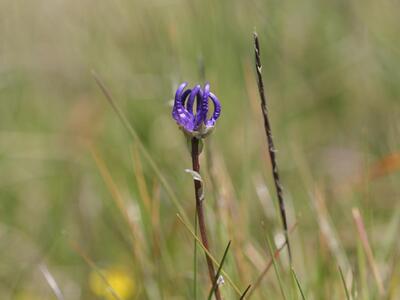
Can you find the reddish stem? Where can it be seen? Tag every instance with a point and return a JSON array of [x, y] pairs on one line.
[[198, 191]]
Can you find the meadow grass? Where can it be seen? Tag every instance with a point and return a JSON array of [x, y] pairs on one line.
[[95, 202]]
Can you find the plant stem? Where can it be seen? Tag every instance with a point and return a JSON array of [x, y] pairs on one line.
[[271, 148], [198, 191]]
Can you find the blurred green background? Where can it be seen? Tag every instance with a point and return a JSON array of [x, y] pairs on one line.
[[331, 69]]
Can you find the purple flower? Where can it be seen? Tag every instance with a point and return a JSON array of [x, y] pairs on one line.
[[196, 123]]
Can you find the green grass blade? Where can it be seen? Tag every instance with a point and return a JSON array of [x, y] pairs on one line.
[[296, 279], [215, 284], [228, 278], [278, 276], [344, 284], [245, 292]]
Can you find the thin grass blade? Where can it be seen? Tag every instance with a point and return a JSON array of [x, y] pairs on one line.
[[296, 279], [346, 290], [278, 276], [142, 148], [269, 265], [51, 281], [228, 278], [215, 284], [96, 269], [367, 249], [245, 292]]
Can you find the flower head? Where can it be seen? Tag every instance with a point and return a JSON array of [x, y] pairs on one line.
[[196, 123]]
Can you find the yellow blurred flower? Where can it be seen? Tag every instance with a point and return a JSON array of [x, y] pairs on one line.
[[119, 279]]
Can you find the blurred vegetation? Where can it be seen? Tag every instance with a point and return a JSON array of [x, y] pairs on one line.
[[78, 196]]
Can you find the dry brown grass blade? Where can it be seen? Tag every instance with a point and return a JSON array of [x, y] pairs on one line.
[[230, 216], [329, 233], [141, 182], [269, 264], [119, 201], [324, 220], [394, 278], [112, 187], [255, 257], [142, 148], [253, 97], [155, 218], [367, 249]]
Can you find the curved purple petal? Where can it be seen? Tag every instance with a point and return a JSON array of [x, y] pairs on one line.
[[184, 96], [204, 102], [216, 113], [199, 113], [193, 94], [179, 91], [179, 112]]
